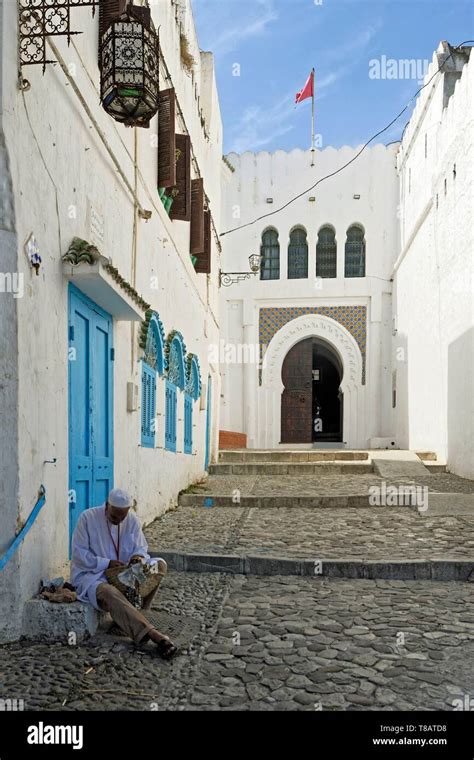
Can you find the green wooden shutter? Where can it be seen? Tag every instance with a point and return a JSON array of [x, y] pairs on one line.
[[181, 208], [197, 217], [203, 263], [167, 139]]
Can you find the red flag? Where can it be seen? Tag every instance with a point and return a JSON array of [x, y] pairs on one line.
[[307, 91]]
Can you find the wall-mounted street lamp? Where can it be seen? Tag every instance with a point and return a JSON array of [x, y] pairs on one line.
[[230, 278]]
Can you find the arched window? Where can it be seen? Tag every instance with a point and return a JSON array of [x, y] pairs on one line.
[[270, 252], [192, 393], [176, 380], [326, 253], [298, 254], [355, 252], [152, 343], [152, 340]]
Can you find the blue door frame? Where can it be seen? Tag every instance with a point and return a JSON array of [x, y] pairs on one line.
[[208, 423], [90, 395]]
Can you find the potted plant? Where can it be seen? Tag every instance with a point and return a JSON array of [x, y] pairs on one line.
[[172, 193]]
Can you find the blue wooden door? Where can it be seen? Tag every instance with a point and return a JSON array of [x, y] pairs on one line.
[[90, 405], [208, 423]]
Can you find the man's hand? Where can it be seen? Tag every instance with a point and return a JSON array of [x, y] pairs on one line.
[[136, 558], [116, 563]]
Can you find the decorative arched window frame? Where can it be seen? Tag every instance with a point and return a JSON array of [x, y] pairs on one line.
[[326, 253], [270, 253], [354, 252], [192, 394], [175, 352], [298, 254], [193, 377], [152, 341]]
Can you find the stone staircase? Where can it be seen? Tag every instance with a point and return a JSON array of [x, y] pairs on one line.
[[246, 462], [309, 512]]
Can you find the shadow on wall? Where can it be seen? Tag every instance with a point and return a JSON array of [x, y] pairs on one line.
[[460, 405], [400, 392]]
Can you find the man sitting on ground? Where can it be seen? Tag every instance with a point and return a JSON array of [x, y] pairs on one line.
[[110, 536]]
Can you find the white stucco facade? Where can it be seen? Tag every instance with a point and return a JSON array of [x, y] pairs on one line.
[[366, 194], [415, 202], [434, 273], [59, 180]]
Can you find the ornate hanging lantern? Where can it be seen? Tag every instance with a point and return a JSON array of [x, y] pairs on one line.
[[129, 59]]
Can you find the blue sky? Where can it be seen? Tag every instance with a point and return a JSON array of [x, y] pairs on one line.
[[277, 42]]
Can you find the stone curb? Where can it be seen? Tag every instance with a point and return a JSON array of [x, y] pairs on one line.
[[435, 570], [295, 456], [303, 468], [247, 502]]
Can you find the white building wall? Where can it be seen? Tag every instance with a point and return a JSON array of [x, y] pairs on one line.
[[434, 275], [9, 451], [281, 176], [60, 170]]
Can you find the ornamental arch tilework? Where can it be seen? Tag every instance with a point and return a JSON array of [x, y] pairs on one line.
[[193, 377], [175, 355], [353, 318], [152, 341]]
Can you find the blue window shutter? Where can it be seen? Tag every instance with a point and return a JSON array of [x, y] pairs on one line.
[[171, 404], [175, 410], [188, 424], [148, 405]]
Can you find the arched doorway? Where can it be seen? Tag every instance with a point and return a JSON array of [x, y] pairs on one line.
[[312, 402]]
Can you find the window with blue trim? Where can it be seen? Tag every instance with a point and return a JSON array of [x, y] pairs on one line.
[[171, 416], [175, 381], [192, 393], [188, 424], [152, 341], [148, 406]]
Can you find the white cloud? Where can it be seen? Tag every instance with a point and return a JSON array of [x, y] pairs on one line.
[[261, 125], [234, 22]]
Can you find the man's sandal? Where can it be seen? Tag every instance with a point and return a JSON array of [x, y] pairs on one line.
[[166, 649]]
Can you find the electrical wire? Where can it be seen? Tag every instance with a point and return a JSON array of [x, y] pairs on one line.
[[354, 158]]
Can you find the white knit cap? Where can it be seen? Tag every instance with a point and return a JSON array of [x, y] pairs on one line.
[[120, 499]]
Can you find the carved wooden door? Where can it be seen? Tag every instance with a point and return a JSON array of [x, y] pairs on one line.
[[297, 397]]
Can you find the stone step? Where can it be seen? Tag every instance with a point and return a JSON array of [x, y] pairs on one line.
[[435, 467], [241, 564], [427, 456], [291, 456], [58, 621], [295, 468], [277, 502], [406, 466]]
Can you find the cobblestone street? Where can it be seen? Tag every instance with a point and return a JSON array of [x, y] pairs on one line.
[[325, 484], [286, 641], [271, 644], [377, 533]]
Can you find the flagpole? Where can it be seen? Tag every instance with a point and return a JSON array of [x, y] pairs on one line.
[[313, 140]]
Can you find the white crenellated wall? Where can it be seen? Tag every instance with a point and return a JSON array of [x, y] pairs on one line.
[[59, 170], [434, 275], [281, 176]]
